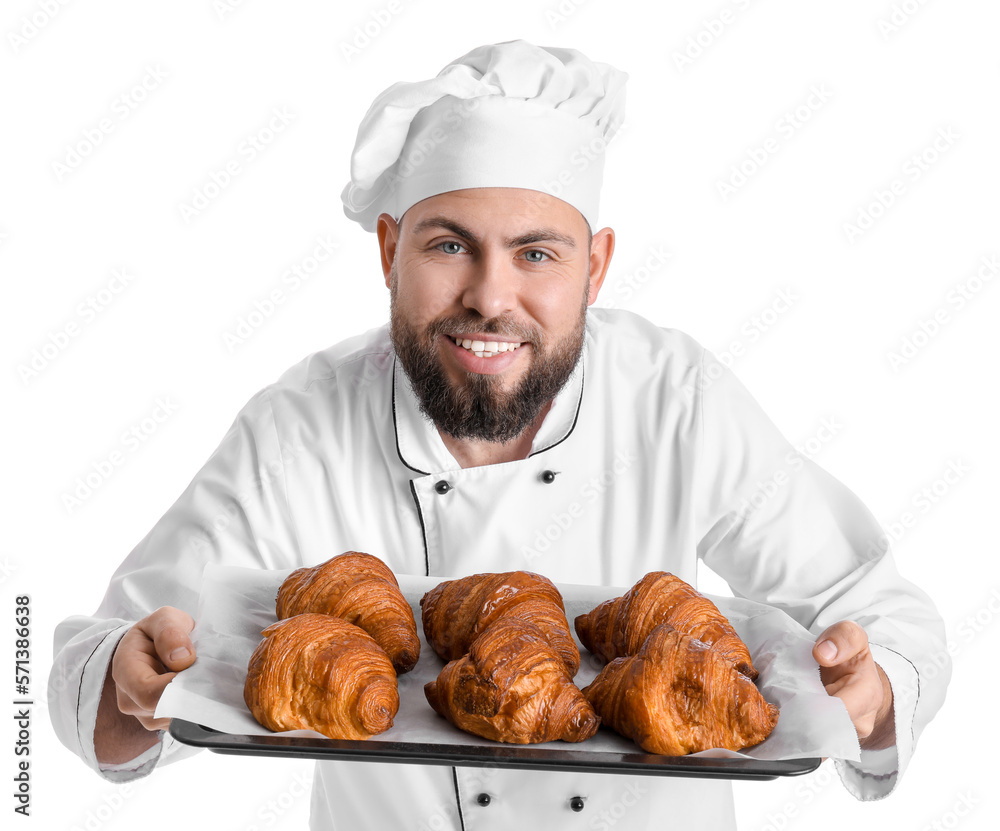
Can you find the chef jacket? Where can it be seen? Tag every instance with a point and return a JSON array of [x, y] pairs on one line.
[[652, 456]]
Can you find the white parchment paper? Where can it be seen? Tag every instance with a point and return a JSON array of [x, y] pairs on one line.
[[237, 603]]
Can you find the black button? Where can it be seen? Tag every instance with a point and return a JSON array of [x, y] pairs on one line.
[[548, 476], [483, 799], [442, 487], [576, 803]]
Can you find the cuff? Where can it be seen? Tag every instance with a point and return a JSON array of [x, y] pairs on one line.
[[879, 771]]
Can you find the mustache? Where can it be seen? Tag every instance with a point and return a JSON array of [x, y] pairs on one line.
[[503, 326]]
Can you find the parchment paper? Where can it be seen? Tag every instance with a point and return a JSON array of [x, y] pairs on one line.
[[237, 603]]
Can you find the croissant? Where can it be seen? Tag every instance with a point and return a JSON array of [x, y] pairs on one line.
[[619, 627], [455, 612], [677, 695], [321, 673], [362, 590], [512, 687]]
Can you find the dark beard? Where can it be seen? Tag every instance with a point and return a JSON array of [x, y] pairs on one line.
[[480, 409]]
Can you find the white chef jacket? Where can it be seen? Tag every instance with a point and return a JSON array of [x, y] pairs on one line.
[[660, 456]]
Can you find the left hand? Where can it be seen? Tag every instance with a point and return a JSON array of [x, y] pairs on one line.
[[849, 672]]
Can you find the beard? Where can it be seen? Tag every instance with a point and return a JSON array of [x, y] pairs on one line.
[[480, 408]]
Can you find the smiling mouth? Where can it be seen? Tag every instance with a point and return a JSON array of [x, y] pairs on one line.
[[485, 349]]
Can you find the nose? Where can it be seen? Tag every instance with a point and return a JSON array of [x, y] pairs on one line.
[[492, 285]]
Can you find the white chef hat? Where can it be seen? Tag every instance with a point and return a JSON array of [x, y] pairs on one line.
[[504, 115]]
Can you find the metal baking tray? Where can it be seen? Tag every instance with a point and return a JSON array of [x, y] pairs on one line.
[[577, 759]]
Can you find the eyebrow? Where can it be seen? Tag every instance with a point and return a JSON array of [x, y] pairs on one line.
[[528, 237]]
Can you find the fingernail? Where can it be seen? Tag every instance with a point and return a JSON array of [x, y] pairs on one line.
[[179, 654], [827, 650]]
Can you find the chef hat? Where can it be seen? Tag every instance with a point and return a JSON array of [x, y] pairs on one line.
[[504, 115]]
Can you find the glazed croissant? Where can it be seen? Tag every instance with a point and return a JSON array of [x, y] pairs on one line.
[[455, 612], [619, 627], [321, 673], [512, 687], [362, 590], [677, 696]]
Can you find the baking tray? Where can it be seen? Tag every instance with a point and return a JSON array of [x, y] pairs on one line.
[[575, 760]]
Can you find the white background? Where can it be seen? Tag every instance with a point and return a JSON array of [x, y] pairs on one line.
[[214, 75]]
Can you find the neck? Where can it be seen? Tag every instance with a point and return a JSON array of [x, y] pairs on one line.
[[475, 453]]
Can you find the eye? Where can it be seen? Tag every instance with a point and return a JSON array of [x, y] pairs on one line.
[[447, 248], [533, 259]]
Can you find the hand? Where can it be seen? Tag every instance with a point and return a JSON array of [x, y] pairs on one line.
[[849, 672], [149, 655]]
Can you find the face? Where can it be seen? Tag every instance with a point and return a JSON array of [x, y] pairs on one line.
[[489, 290]]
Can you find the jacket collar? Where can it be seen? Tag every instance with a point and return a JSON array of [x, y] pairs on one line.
[[419, 444]]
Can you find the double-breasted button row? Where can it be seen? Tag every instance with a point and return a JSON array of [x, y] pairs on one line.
[[442, 486], [575, 804]]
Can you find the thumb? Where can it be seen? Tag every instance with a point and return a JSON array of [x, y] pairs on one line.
[[840, 643], [172, 640]]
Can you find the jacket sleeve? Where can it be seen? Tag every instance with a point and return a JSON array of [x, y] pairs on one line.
[[781, 530], [234, 512]]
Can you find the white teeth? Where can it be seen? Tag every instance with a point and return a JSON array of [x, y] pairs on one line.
[[486, 349]]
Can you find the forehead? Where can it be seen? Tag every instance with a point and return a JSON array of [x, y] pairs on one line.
[[497, 213]]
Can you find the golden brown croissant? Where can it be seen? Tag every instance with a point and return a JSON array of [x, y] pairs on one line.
[[677, 695], [512, 687], [619, 627], [321, 673], [455, 612], [362, 590]]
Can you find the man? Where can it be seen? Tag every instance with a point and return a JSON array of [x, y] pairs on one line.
[[494, 408]]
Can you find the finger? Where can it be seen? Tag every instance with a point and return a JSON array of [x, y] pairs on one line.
[[139, 698], [840, 643], [145, 717], [169, 630], [861, 698], [138, 672]]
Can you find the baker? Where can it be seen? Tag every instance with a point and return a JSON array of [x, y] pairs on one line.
[[499, 423]]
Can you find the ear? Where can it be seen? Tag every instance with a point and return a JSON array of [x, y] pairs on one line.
[[388, 235], [601, 248]]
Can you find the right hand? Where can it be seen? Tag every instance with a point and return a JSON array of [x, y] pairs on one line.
[[147, 659]]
